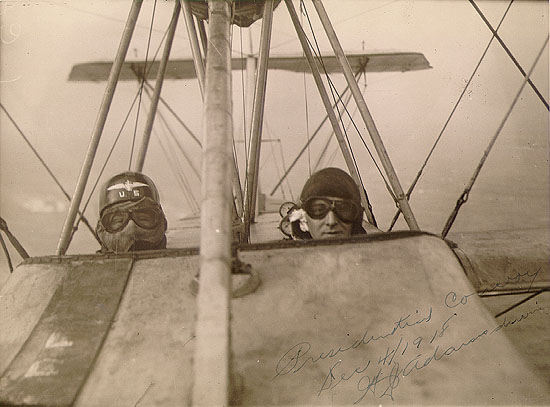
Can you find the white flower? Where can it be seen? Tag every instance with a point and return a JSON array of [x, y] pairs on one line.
[[299, 214]]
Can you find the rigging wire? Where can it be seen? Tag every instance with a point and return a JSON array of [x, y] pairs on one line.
[[517, 304], [302, 7], [269, 134], [332, 157], [247, 178], [48, 169], [284, 170], [514, 60], [423, 166], [174, 138], [465, 194], [142, 83], [315, 134], [176, 116], [333, 90], [234, 148], [75, 227], [173, 162], [176, 167], [176, 170], [325, 148], [244, 101]]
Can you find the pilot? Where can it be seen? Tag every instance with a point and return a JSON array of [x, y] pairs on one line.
[[130, 215], [329, 207]]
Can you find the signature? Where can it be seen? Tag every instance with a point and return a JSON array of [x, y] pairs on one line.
[[379, 375], [297, 356], [452, 300], [382, 383]]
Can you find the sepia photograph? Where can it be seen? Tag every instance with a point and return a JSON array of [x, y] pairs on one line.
[[274, 202]]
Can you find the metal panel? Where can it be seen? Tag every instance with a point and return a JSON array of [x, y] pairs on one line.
[[56, 358], [147, 357], [22, 301], [384, 320]]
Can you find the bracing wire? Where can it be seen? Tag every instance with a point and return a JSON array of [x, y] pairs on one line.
[[284, 170], [174, 138], [116, 139], [47, 168], [75, 228], [465, 194], [142, 84], [176, 116], [302, 6], [423, 166], [175, 164], [235, 152], [517, 304], [244, 101], [325, 148], [333, 89], [176, 170], [173, 161], [507, 50]]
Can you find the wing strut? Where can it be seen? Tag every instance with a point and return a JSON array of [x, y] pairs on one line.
[[98, 130], [211, 360], [326, 102], [257, 118], [367, 118], [200, 73], [194, 42], [158, 88]]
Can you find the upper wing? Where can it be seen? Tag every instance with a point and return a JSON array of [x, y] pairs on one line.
[[184, 68]]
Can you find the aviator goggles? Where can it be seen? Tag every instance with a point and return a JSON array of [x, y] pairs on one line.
[[318, 207], [115, 220]]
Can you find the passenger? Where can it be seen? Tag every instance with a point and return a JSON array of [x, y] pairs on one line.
[[329, 207], [130, 215]]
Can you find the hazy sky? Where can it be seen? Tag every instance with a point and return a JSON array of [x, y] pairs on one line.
[[42, 40]]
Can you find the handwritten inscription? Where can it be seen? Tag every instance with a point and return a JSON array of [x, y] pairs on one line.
[[379, 374], [295, 358], [453, 300]]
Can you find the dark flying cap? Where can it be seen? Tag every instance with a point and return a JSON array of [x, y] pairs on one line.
[[127, 186], [331, 182]]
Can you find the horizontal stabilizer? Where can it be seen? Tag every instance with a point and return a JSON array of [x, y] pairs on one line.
[[184, 68]]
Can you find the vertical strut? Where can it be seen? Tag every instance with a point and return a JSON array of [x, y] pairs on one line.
[[199, 69], [194, 43], [257, 117], [326, 102], [158, 88], [211, 360], [367, 118], [98, 128]]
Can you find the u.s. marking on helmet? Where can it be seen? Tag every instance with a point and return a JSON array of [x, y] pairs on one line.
[[127, 185]]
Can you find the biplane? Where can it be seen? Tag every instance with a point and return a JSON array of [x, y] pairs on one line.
[[235, 312]]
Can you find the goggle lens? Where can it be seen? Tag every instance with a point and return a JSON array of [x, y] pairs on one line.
[[115, 221], [346, 210]]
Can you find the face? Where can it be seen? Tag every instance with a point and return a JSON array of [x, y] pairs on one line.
[[330, 226], [132, 226]]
